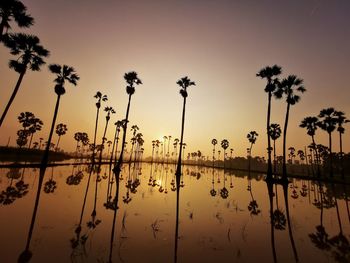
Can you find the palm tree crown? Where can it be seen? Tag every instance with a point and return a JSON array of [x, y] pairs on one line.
[[13, 9], [100, 97], [131, 79], [29, 50], [310, 123], [287, 87], [63, 73], [252, 136], [341, 120], [268, 73], [328, 120], [61, 129], [275, 131], [184, 83]]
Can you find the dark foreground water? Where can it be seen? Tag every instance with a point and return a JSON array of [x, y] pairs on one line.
[[222, 217]]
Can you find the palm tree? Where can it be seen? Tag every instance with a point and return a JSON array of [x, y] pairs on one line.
[[109, 111], [224, 144], [252, 137], [61, 129], [214, 142], [134, 129], [275, 133], [288, 87], [100, 97], [31, 55], [328, 123], [36, 125], [291, 154], [310, 123], [341, 120], [13, 10], [117, 124], [184, 83], [270, 74], [131, 79], [63, 73]]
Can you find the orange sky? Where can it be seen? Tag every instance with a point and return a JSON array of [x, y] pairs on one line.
[[218, 44]]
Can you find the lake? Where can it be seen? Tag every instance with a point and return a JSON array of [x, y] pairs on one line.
[[223, 217]]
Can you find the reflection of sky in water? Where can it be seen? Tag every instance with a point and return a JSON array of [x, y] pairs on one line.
[[211, 228]]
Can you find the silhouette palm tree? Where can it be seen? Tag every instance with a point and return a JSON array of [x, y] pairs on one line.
[[341, 120], [63, 73], [275, 133], [31, 55], [288, 88], [184, 83], [252, 137], [131, 79], [224, 144], [328, 123], [310, 124], [36, 125], [61, 129], [13, 10], [117, 124], [109, 111], [100, 97], [134, 130], [214, 142], [270, 74]]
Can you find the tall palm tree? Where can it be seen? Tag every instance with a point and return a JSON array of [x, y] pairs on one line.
[[61, 129], [117, 124], [13, 10], [328, 123], [310, 123], [131, 79], [252, 137], [100, 98], [31, 55], [341, 120], [109, 111], [63, 73], [288, 88], [214, 142], [134, 130], [270, 74], [184, 83], [274, 132], [225, 144]]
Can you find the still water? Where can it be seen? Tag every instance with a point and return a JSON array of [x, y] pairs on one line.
[[223, 217]]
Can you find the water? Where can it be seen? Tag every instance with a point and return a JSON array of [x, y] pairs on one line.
[[211, 228]]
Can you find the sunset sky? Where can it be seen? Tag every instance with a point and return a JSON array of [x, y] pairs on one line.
[[220, 45]]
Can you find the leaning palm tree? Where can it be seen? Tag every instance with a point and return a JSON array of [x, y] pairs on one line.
[[131, 79], [13, 10], [61, 129], [274, 132], [184, 83], [270, 74], [328, 123], [100, 97], [288, 88], [310, 123], [31, 56], [63, 73]]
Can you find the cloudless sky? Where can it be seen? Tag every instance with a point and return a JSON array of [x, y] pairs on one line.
[[220, 45]]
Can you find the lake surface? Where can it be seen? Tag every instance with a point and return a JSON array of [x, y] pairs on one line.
[[223, 217]]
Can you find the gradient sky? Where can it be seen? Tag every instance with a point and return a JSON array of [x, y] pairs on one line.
[[219, 44]]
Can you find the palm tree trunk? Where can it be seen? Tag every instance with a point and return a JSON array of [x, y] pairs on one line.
[[114, 139], [46, 153], [274, 157], [58, 142], [341, 155], [117, 167], [30, 141], [178, 169], [103, 142], [95, 133], [284, 176], [330, 154], [177, 220], [18, 84], [269, 165]]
